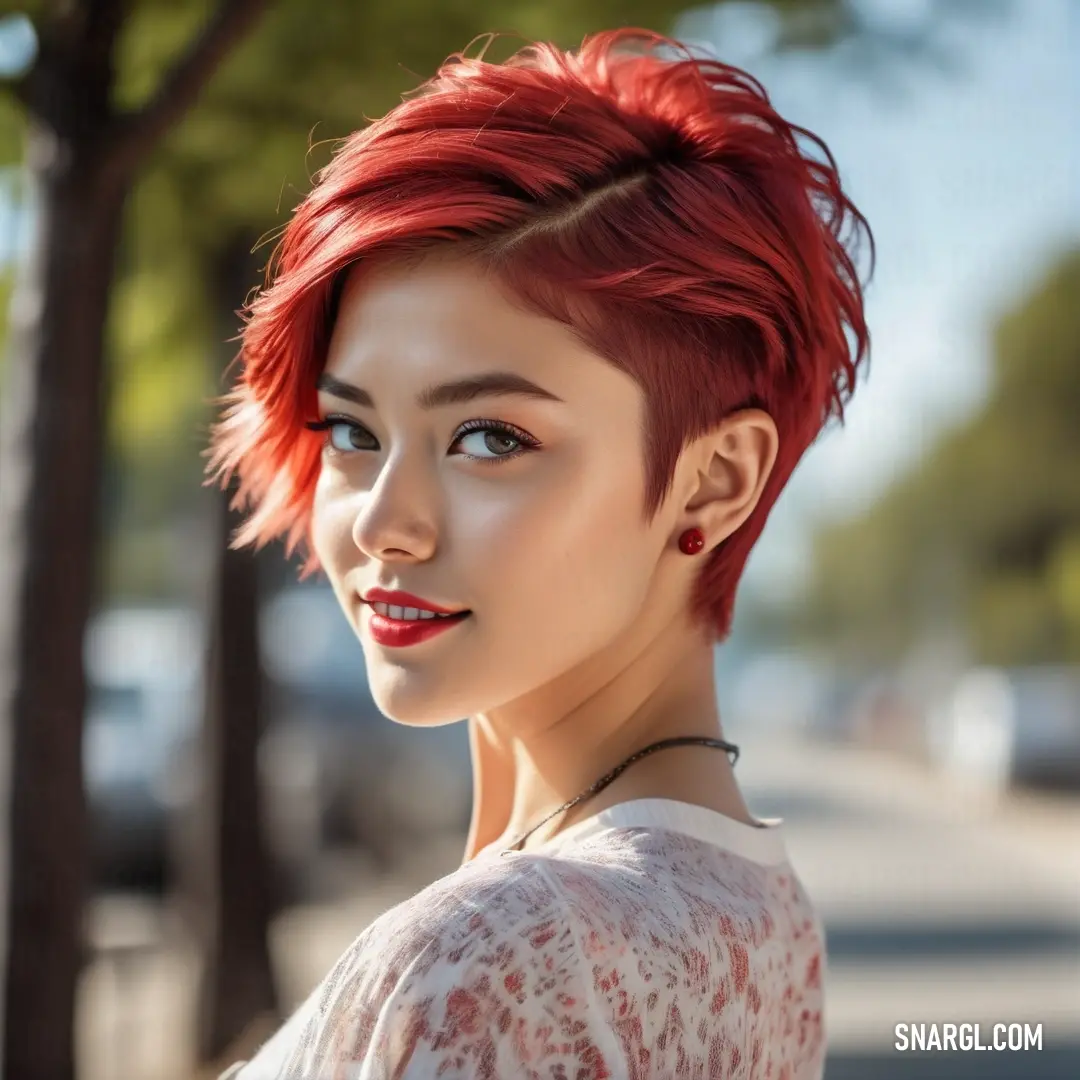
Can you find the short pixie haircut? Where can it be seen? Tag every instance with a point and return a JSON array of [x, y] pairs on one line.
[[651, 200]]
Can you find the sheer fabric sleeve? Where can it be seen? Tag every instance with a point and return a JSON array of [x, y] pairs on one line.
[[498, 990], [635, 959]]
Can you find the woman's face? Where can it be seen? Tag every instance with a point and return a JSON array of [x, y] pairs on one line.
[[523, 508]]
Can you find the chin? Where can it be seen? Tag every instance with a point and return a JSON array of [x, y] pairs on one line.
[[402, 700]]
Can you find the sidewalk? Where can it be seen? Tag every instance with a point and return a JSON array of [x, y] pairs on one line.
[[1041, 829], [938, 904]]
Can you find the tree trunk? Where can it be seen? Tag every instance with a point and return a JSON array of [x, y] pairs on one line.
[[81, 156], [235, 875], [50, 474]]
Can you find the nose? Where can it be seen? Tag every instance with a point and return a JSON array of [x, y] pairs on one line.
[[396, 520]]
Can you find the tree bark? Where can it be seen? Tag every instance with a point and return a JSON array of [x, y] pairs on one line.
[[234, 875], [81, 158], [50, 476]]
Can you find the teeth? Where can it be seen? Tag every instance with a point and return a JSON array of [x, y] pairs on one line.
[[406, 614]]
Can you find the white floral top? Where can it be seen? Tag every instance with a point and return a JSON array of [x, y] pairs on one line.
[[656, 939]]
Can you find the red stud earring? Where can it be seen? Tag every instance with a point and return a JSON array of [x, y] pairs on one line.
[[691, 541]]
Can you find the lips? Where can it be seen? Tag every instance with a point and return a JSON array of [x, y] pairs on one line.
[[399, 633]]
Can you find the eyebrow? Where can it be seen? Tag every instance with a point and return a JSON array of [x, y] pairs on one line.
[[456, 392]]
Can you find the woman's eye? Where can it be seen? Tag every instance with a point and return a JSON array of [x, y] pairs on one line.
[[349, 437], [343, 436], [479, 440], [489, 443]]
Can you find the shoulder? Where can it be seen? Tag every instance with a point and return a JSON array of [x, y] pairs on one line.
[[446, 933], [478, 974], [568, 965]]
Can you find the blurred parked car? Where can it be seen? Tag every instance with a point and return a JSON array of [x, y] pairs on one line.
[[834, 715], [371, 781], [769, 691], [1019, 726], [882, 715], [140, 667]]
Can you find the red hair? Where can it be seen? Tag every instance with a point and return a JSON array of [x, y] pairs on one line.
[[657, 205]]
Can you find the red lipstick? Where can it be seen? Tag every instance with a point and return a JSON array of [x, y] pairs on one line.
[[398, 633]]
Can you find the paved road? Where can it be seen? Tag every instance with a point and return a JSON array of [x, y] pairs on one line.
[[937, 909]]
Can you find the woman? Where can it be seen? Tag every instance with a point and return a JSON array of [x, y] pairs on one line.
[[536, 357]]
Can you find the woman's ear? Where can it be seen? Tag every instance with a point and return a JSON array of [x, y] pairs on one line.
[[728, 469]]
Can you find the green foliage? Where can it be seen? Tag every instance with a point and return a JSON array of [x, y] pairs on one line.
[[986, 530], [301, 82], [12, 131]]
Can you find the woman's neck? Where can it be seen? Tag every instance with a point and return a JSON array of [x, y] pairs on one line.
[[523, 769]]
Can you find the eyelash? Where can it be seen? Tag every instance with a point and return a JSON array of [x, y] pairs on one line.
[[528, 443]]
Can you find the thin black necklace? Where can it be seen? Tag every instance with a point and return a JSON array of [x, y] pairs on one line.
[[681, 740]]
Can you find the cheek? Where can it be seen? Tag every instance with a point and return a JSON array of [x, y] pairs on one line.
[[331, 528], [575, 547], [556, 569]]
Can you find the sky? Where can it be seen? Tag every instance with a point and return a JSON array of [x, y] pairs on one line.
[[971, 182]]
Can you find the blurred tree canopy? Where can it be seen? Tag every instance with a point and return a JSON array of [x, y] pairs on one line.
[[985, 532]]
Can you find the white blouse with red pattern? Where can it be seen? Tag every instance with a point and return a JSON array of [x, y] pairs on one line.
[[656, 940]]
